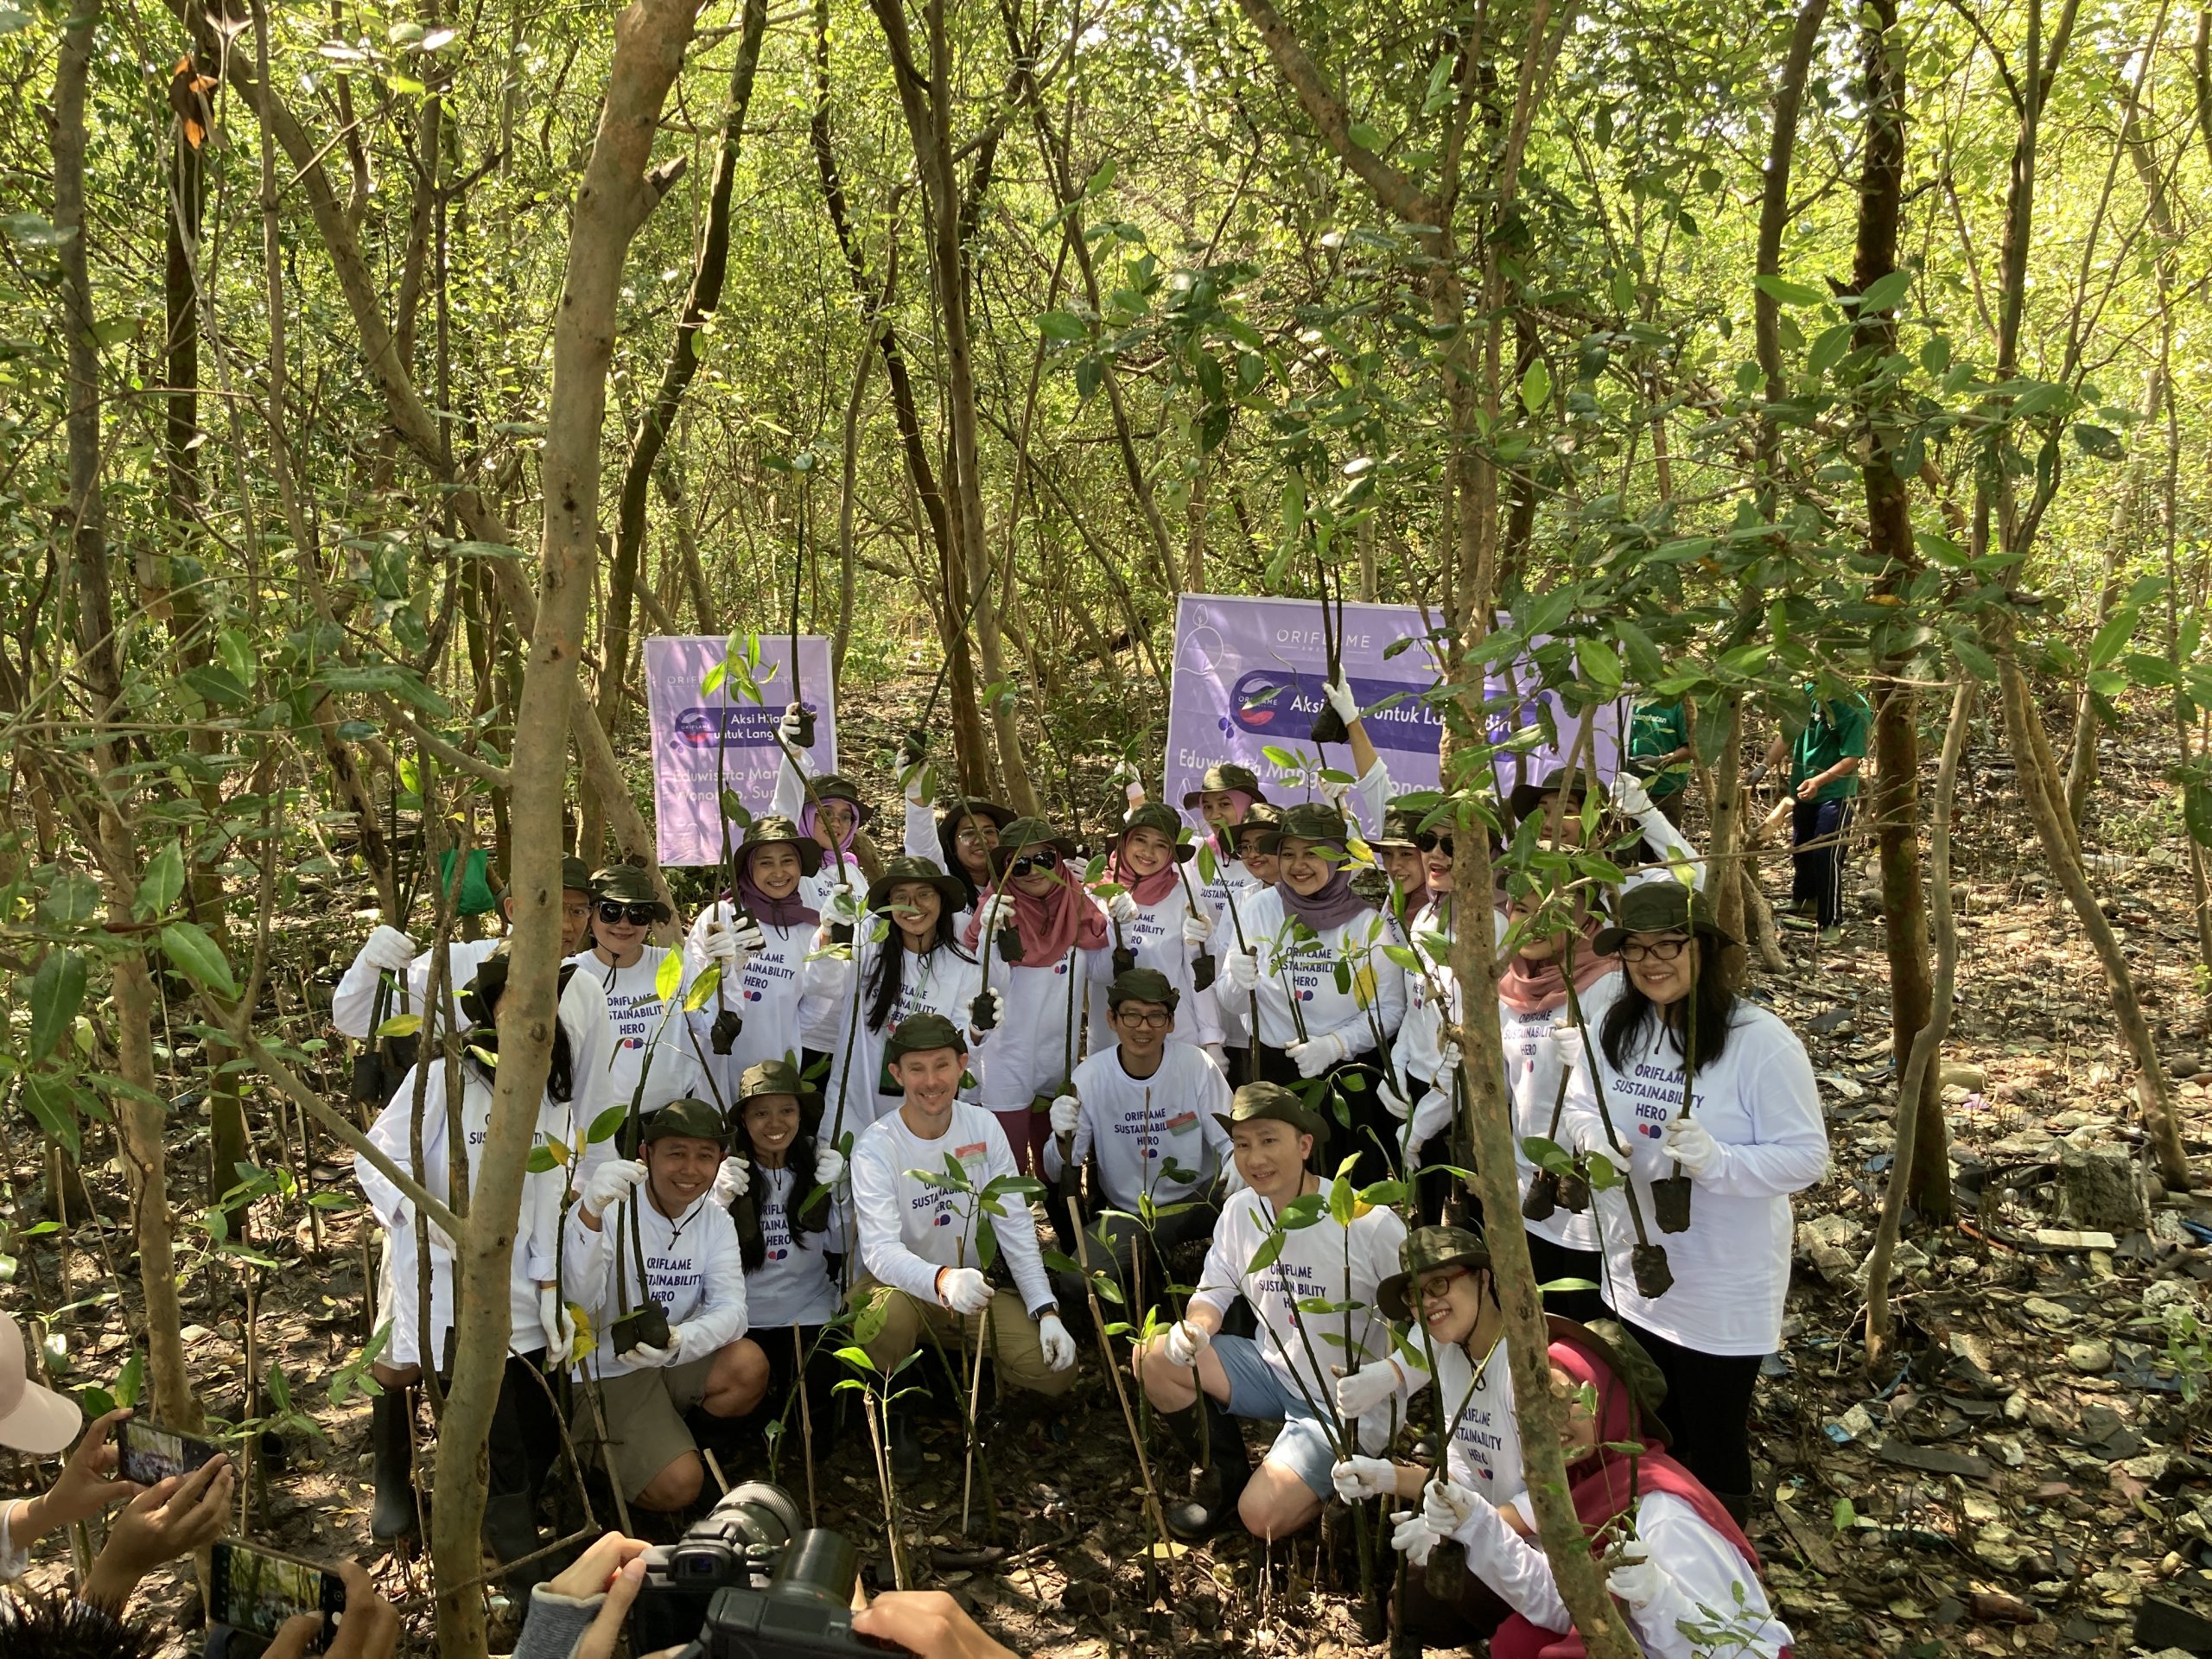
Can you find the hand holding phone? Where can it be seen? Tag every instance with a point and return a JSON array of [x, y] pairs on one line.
[[367, 1624], [260, 1591], [147, 1453]]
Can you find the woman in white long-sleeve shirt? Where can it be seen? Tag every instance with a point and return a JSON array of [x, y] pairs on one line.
[[1329, 998], [906, 959], [1692, 1587], [763, 939], [1753, 1134], [1151, 920], [525, 1435]]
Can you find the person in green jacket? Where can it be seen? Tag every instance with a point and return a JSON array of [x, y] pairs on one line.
[[1659, 745], [1825, 757]]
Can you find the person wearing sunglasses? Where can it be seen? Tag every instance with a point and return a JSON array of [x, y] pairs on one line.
[[1044, 931], [1142, 1114], [906, 959], [1153, 920], [764, 937], [1752, 1134], [1443, 1299], [659, 1049], [1329, 997]]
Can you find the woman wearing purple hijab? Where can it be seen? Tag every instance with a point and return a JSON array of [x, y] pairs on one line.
[[1328, 997], [772, 988]]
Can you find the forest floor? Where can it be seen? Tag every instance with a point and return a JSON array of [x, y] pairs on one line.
[[2031, 1473]]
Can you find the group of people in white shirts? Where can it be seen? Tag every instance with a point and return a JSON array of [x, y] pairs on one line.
[[1207, 1031]]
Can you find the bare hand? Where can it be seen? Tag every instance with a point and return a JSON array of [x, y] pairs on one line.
[[85, 1486], [598, 1641], [926, 1622], [172, 1518], [368, 1629], [1809, 788], [593, 1571]]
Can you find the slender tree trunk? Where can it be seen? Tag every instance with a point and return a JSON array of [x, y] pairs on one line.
[[613, 198]]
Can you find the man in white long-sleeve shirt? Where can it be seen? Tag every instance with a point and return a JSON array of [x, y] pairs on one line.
[[648, 1393], [921, 1240]]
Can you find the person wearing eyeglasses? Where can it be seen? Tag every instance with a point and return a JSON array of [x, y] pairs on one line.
[[659, 1049], [1329, 997], [958, 838], [1143, 1116], [1044, 931], [1152, 920], [1752, 1134], [764, 937]]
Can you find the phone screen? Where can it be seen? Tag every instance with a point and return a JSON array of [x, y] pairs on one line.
[[147, 1452], [256, 1589]]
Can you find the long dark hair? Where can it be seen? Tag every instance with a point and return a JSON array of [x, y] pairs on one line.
[[1709, 1010], [745, 1210], [887, 975], [948, 842], [560, 1077]]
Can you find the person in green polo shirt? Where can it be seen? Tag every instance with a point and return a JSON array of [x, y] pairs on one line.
[[1825, 757], [1659, 744]]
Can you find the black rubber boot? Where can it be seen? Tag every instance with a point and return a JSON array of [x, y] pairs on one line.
[[510, 1533], [1212, 1503], [1739, 1505], [391, 1453]]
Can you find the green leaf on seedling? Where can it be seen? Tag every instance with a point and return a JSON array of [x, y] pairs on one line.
[[401, 1024]]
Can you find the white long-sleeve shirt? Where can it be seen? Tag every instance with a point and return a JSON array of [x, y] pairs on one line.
[[538, 1226], [789, 801], [792, 1285], [1707, 1574], [1311, 1267], [1226, 897], [1131, 1130], [1156, 936], [910, 1227], [691, 1267], [1307, 969], [781, 992], [943, 981], [1039, 1038], [1483, 1454], [1732, 1267], [1532, 1081]]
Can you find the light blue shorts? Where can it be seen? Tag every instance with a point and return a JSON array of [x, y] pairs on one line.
[[1258, 1389]]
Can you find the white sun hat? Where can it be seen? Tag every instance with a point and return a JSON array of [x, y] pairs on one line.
[[33, 1417]]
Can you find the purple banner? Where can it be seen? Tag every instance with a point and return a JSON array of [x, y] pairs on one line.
[[695, 732], [1249, 674]]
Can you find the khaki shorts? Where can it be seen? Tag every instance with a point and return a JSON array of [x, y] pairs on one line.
[[645, 1430]]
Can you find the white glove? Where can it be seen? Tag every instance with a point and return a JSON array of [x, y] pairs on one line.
[[1124, 778], [963, 1290], [1447, 1059], [1186, 1340], [1218, 1053], [906, 768], [1631, 798], [1122, 907], [390, 950], [1053, 1337], [843, 905], [1415, 1537], [1198, 928], [828, 1166], [1567, 1042], [1341, 699], [1004, 918], [791, 726], [732, 1181], [1334, 792], [655, 1359], [1368, 1388], [553, 1320], [1690, 1144], [1638, 1583], [994, 999], [1447, 1505], [1240, 969], [1358, 1480], [610, 1182], [1066, 1109], [1316, 1054], [719, 944], [1393, 1098]]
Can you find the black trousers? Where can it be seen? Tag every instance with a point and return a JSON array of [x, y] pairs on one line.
[[1708, 1410], [1554, 1261], [525, 1428], [1447, 1606], [1373, 1132], [1818, 830]]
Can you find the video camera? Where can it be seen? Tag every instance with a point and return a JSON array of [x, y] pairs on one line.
[[746, 1581]]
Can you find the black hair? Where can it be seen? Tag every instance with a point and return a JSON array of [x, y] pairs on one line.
[[886, 976], [560, 1076], [1709, 1010], [948, 842], [54, 1626], [745, 1210]]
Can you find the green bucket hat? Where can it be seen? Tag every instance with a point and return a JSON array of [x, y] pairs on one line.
[[693, 1119], [1612, 1345], [1263, 822], [1426, 1251], [1019, 836], [1527, 797], [627, 884], [781, 832], [774, 1077], [919, 1032], [486, 986], [1142, 985], [1152, 815], [1402, 828], [904, 869], [575, 875], [1658, 906], [1315, 821], [835, 786], [975, 806], [1227, 776], [1271, 1103]]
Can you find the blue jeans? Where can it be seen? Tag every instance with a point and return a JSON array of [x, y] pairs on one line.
[[1258, 1389], [1818, 830]]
